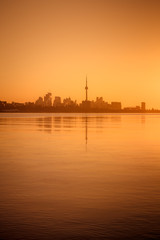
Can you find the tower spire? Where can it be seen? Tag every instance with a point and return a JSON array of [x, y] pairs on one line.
[[86, 88]]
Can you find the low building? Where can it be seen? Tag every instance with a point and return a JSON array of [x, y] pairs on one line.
[[115, 106]]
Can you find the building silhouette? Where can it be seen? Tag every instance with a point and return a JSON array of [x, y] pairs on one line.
[[86, 88], [99, 103], [48, 100], [57, 101], [39, 102], [143, 106], [68, 102], [116, 105], [86, 104]]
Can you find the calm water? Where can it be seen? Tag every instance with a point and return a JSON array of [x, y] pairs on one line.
[[79, 176]]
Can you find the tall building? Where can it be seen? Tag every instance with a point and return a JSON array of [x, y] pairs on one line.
[[68, 102], [57, 101], [39, 102], [86, 88], [99, 103], [48, 100], [143, 106]]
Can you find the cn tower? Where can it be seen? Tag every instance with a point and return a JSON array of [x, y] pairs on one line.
[[86, 88]]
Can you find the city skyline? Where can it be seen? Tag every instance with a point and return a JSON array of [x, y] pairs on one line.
[[57, 103], [78, 100], [48, 46]]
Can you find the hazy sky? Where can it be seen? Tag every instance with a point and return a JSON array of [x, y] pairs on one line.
[[52, 45]]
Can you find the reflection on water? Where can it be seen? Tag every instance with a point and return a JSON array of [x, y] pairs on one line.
[[79, 176]]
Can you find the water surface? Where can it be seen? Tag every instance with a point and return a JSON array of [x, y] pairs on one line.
[[79, 176]]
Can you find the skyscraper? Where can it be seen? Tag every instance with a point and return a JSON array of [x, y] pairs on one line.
[[57, 101], [143, 106], [48, 100]]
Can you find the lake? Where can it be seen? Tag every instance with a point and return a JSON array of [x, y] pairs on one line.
[[79, 176]]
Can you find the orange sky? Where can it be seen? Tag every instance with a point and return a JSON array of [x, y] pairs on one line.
[[50, 45]]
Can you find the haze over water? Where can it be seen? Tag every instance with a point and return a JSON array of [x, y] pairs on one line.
[[79, 176]]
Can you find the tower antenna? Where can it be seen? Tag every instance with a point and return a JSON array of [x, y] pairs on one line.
[[86, 88]]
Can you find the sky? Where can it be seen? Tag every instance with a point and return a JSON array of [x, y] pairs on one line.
[[50, 46]]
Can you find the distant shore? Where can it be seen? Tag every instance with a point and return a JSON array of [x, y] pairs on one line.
[[75, 111]]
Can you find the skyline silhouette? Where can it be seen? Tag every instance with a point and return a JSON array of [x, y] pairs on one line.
[[69, 105], [48, 46]]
